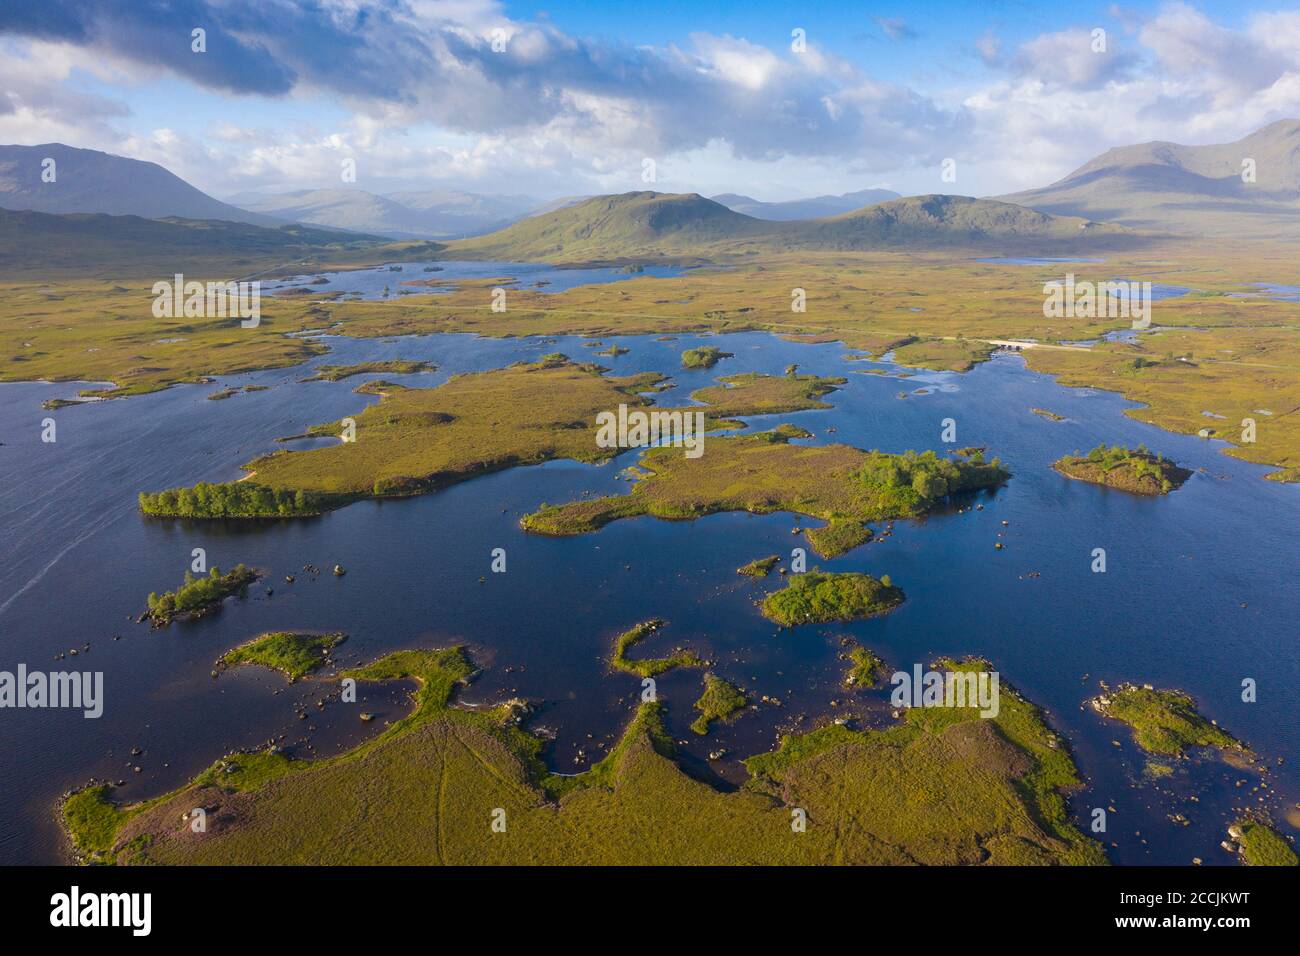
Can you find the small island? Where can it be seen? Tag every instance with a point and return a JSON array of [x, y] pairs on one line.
[[720, 701], [818, 597], [651, 667], [759, 567], [1050, 416], [336, 373], [1133, 470], [705, 357], [865, 667], [1261, 845], [293, 655], [1164, 721], [198, 596]]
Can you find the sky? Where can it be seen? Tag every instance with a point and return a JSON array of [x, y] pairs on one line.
[[774, 100]]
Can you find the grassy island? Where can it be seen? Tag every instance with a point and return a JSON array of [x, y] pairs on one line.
[[1261, 845], [720, 701], [336, 373], [865, 667], [294, 655], [651, 667], [704, 357], [763, 472], [759, 567], [1134, 470], [417, 440], [1163, 721], [818, 597], [198, 596], [940, 787]]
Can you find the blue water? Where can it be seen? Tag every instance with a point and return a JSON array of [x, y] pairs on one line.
[[394, 279], [1199, 591], [1033, 260]]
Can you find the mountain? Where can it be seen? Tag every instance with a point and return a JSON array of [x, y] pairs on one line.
[[120, 247], [813, 208], [1188, 189], [88, 181], [649, 225], [426, 214], [612, 227]]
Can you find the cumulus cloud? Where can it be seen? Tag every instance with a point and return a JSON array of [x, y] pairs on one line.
[[1077, 59]]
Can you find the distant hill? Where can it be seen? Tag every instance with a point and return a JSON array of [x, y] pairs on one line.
[[648, 224], [814, 208], [424, 214], [88, 181], [1188, 189], [90, 245]]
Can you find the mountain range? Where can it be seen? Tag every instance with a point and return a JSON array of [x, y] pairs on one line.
[[814, 208]]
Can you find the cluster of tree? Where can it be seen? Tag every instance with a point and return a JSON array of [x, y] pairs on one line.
[[1140, 462], [240, 499], [197, 594], [917, 480]]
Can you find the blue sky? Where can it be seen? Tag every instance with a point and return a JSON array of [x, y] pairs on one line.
[[580, 94]]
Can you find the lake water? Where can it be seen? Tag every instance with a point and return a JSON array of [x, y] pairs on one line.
[[1199, 591]]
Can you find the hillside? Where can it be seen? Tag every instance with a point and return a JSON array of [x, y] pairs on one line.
[[88, 181], [35, 244], [647, 224], [813, 208], [1187, 189]]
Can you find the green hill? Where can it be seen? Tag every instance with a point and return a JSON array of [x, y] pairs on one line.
[[660, 225]]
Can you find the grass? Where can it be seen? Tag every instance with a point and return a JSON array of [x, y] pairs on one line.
[[198, 596], [1137, 471], [336, 373], [721, 700], [1163, 721], [1261, 845], [818, 597], [942, 787], [648, 667], [759, 567], [762, 473], [292, 654]]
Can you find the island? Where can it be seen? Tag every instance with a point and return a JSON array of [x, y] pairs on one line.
[[759, 567], [651, 667], [336, 373], [865, 667], [1164, 721], [705, 357], [1133, 470], [292, 654], [417, 440], [721, 700], [1260, 845], [764, 472], [197, 597], [818, 597], [941, 786]]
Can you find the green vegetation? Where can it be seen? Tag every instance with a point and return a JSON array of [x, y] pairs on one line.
[[704, 357], [762, 473], [955, 355], [720, 701], [942, 787], [759, 567], [1134, 470], [335, 373], [752, 393], [198, 596], [613, 351], [234, 499], [818, 597], [1050, 416], [865, 668], [1261, 845], [294, 655], [652, 667], [1163, 721]]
